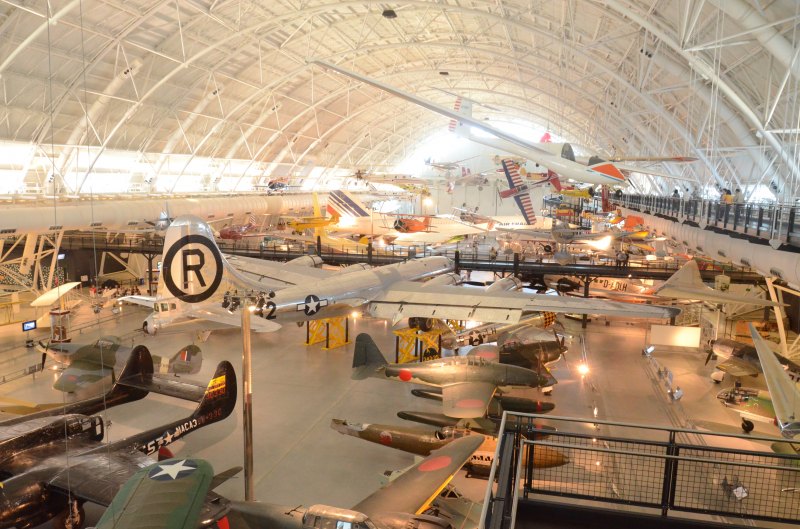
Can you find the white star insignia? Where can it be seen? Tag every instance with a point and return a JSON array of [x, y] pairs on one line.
[[168, 438], [172, 470]]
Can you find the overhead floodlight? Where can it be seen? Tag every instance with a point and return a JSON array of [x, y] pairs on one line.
[[444, 72], [389, 13]]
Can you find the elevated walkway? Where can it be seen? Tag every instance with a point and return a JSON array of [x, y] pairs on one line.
[[510, 264], [776, 224], [627, 475]]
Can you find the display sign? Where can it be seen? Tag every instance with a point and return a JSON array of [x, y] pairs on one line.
[[674, 336], [28, 325]]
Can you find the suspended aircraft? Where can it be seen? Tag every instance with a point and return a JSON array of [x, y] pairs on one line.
[[354, 217], [198, 285], [462, 120]]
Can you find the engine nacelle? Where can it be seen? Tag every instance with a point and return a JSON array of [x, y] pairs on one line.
[[444, 279], [48, 429], [311, 261], [150, 326], [505, 284], [358, 267]]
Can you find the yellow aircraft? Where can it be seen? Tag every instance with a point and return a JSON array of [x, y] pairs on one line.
[[316, 221]]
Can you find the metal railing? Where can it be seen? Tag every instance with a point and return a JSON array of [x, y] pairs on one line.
[[463, 255], [778, 223], [663, 469]]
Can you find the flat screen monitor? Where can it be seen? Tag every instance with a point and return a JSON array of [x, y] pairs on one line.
[[28, 325]]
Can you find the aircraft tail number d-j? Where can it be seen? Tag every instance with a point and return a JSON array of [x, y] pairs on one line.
[[199, 288]]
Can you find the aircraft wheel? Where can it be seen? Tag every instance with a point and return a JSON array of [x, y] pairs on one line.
[[425, 324], [747, 426], [72, 517], [144, 327]]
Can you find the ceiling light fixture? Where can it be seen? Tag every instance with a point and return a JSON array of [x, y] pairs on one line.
[[389, 13]]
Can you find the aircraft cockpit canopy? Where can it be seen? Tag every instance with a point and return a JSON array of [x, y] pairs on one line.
[[450, 432], [326, 517]]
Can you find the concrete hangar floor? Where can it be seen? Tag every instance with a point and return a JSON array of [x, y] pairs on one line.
[[298, 389]]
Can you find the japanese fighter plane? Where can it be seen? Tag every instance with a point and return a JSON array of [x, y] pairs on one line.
[[88, 363], [198, 287], [422, 441], [402, 504], [172, 493], [468, 382], [45, 477]]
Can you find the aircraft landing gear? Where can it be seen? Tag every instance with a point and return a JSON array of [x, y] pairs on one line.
[[747, 426], [73, 517]]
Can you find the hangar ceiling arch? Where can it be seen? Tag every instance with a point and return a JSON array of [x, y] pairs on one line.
[[223, 80]]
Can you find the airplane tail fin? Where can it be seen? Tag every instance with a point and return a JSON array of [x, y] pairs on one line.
[[687, 277], [552, 177], [343, 204], [463, 107], [366, 357], [193, 269], [219, 398], [188, 360], [129, 386]]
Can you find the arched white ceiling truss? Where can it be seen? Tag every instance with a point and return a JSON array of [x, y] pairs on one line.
[[229, 80]]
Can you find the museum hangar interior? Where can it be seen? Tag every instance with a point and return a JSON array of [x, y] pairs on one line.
[[568, 227]]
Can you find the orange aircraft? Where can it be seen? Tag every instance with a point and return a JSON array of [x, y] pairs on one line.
[[408, 224]]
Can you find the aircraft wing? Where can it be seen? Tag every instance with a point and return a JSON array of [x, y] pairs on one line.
[[653, 172], [79, 374], [171, 493], [275, 274], [216, 314], [418, 487], [715, 296], [737, 368], [53, 295], [529, 233], [783, 391], [409, 299], [145, 301], [467, 400]]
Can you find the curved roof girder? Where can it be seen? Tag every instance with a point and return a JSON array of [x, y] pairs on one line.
[[707, 71], [650, 103], [771, 39]]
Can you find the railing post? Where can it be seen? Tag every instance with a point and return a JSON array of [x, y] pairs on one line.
[[670, 472]]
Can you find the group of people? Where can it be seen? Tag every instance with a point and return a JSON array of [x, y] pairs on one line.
[[731, 198]]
